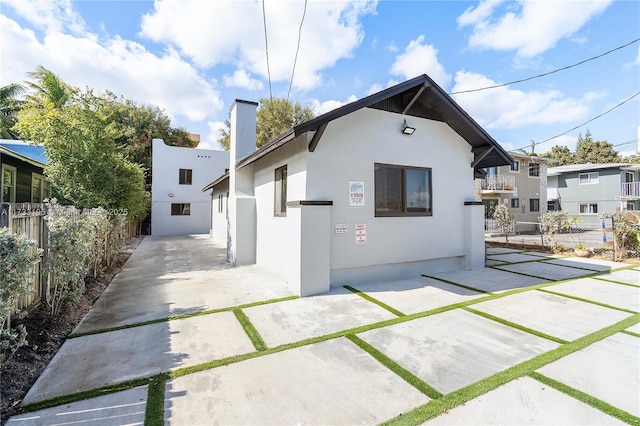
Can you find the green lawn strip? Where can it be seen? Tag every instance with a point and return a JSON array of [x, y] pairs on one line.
[[617, 282], [154, 413], [405, 374], [631, 333], [539, 259], [93, 393], [251, 331], [477, 290], [451, 400], [516, 326], [374, 300], [593, 273], [587, 399], [183, 316], [581, 299]]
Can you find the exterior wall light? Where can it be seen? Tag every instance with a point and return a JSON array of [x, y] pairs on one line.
[[406, 129], [171, 194]]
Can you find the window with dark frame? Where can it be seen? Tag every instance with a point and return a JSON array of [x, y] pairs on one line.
[[515, 203], [534, 169], [515, 166], [534, 205], [220, 201], [280, 192], [180, 209], [402, 190], [185, 176]]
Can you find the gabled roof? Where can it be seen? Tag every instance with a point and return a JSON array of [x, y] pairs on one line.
[[34, 154], [572, 168], [418, 97]]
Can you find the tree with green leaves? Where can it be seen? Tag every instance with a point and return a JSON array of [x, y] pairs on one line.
[[9, 107], [47, 88], [596, 153], [272, 119], [561, 153]]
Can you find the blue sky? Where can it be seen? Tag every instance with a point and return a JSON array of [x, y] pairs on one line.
[[194, 57]]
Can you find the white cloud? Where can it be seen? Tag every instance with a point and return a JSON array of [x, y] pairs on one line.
[[420, 58], [243, 79], [121, 66], [211, 140], [50, 15], [528, 27], [330, 105], [508, 108], [392, 47], [377, 87], [232, 32]]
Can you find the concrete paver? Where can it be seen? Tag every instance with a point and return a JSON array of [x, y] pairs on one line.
[[514, 257], [609, 293], [332, 382], [490, 279], [108, 358], [634, 328], [608, 369], [173, 276], [545, 270], [299, 319], [524, 401], [418, 295], [629, 276], [587, 263], [542, 254], [455, 348], [557, 316], [501, 250], [115, 409]]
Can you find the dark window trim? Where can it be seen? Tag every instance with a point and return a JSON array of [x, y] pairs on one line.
[[280, 192], [180, 209], [531, 203], [404, 212], [536, 167], [185, 176]]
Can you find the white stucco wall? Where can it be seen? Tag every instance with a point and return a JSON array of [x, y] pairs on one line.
[[167, 160], [348, 150]]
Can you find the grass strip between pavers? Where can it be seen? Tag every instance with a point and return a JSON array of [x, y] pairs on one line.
[[631, 333], [587, 399], [592, 274], [251, 331], [374, 300], [477, 290], [451, 400], [516, 326], [183, 316], [617, 282], [154, 413], [581, 299], [405, 374]]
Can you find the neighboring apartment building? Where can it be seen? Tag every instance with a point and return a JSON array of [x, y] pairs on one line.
[[590, 191], [521, 186]]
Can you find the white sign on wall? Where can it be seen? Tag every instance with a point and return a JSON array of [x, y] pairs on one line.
[[361, 233], [341, 229], [356, 193]]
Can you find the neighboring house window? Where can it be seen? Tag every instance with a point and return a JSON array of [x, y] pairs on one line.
[[588, 178], [8, 194], [180, 209], [630, 205], [515, 203], [185, 177], [588, 208], [37, 188], [534, 169], [551, 205], [402, 190], [280, 194], [515, 166], [534, 205]]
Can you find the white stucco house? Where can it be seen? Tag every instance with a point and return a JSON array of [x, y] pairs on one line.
[[178, 206], [377, 189]]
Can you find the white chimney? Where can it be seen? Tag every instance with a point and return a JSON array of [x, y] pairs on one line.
[[243, 130]]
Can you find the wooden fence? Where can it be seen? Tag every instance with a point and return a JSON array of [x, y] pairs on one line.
[[29, 219]]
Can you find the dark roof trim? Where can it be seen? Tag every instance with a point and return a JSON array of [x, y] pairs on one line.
[[242, 101], [313, 203]]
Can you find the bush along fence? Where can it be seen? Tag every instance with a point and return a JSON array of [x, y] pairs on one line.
[[46, 252]]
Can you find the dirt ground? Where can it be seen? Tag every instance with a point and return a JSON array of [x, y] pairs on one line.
[[45, 335]]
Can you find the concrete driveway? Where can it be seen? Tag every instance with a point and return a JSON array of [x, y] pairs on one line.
[[181, 338]]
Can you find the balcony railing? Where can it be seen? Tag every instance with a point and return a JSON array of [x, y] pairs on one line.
[[630, 189], [498, 183]]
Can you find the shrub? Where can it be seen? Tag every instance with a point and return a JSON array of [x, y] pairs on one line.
[[553, 223], [16, 259], [503, 217]]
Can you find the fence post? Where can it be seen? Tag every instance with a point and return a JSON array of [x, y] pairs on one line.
[[5, 215]]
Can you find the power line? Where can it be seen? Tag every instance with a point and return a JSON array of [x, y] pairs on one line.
[[547, 73], [266, 48], [295, 60], [580, 125]]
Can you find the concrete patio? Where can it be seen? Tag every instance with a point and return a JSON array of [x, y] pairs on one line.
[[180, 335]]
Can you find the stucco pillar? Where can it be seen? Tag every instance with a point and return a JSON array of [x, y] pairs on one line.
[[315, 247], [474, 235]]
